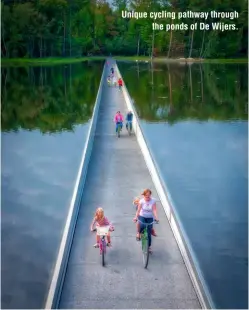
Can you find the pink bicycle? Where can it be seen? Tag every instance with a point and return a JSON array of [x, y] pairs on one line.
[[103, 231]]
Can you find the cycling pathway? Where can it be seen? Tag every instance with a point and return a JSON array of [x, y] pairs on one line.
[[117, 173]]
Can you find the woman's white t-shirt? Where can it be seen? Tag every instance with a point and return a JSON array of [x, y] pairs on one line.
[[146, 207]]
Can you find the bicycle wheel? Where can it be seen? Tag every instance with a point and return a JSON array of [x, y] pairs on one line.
[[102, 251], [129, 129], [145, 248], [119, 128]]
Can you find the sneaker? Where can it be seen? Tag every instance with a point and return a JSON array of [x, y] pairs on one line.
[[109, 244], [96, 245]]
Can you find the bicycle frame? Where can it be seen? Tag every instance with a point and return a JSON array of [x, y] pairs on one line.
[[102, 231], [102, 245], [118, 128], [145, 244], [144, 233], [129, 126]]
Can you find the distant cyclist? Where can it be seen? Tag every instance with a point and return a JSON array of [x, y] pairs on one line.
[[114, 81], [120, 83], [129, 118], [109, 81], [118, 119], [112, 70]]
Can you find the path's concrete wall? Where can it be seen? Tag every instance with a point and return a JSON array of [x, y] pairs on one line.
[[117, 173], [176, 226], [68, 233]]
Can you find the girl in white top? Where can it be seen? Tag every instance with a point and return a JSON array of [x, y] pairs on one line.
[[146, 213]]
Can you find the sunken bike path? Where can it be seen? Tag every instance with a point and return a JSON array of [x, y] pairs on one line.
[[116, 174]]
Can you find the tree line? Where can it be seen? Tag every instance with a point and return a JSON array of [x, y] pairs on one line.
[[76, 28]]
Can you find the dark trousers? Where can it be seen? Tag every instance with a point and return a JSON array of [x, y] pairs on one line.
[[149, 227], [119, 123]]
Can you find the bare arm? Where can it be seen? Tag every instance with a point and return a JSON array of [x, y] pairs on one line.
[[155, 211], [92, 225], [138, 210]]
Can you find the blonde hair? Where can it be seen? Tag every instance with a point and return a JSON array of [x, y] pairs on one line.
[[99, 214], [136, 200]]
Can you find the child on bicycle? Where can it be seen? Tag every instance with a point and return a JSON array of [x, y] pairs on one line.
[[101, 220], [136, 203], [108, 80]]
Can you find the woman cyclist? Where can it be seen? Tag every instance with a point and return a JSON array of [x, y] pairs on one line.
[[136, 203], [118, 119], [146, 212]]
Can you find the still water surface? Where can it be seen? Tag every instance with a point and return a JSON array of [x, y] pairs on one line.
[[194, 119], [45, 120]]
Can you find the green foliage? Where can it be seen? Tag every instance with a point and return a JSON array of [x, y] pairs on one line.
[[54, 28]]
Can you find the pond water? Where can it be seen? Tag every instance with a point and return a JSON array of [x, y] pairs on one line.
[[46, 113], [194, 118]]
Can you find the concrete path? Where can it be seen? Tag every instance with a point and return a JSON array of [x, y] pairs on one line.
[[117, 173]]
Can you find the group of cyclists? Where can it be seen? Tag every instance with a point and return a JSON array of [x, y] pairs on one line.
[[119, 119], [146, 213], [146, 210], [112, 80]]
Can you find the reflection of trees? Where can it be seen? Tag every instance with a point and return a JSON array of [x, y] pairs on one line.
[[198, 91], [48, 98]]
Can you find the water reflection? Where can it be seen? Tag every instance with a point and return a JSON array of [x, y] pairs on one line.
[[174, 92], [48, 98], [194, 119], [45, 120]]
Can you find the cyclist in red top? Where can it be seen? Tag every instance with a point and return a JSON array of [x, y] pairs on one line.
[[120, 83]]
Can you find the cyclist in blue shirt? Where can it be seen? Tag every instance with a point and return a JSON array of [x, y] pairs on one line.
[[129, 118]]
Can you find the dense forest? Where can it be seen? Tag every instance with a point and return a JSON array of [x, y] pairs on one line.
[[76, 28]]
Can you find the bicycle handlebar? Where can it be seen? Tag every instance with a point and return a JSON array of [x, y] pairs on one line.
[[110, 225], [148, 224]]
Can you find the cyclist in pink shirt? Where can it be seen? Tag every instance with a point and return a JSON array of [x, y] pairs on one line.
[[118, 119]]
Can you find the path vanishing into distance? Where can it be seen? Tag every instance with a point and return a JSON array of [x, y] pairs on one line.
[[117, 173]]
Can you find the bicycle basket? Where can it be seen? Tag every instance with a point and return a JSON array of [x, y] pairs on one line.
[[102, 230]]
